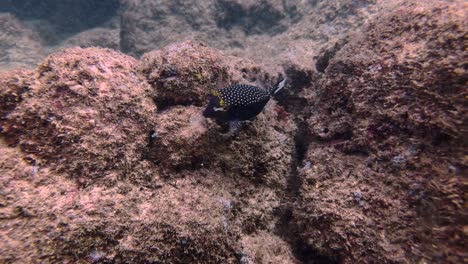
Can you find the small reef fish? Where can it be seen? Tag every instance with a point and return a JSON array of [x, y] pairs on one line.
[[238, 103]]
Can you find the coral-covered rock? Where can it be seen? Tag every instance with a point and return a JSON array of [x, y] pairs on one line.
[[89, 114], [263, 152], [347, 213], [81, 96], [47, 216], [400, 75], [14, 85], [386, 127], [180, 138], [266, 248]]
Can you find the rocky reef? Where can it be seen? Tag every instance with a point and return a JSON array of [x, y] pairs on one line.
[[106, 158], [282, 31], [386, 137]]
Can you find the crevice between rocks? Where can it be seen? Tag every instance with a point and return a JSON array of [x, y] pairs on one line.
[[287, 228], [300, 144]]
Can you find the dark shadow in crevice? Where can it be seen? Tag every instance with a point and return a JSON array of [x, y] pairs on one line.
[[301, 144], [288, 230], [308, 255], [287, 227]]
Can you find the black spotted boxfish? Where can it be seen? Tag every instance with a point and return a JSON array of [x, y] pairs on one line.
[[238, 103]]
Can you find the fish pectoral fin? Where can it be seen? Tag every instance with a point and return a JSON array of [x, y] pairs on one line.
[[218, 109]]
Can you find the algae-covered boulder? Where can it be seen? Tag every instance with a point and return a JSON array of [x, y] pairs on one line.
[[87, 112], [92, 172], [263, 152], [49, 217], [13, 87], [180, 138], [382, 174]]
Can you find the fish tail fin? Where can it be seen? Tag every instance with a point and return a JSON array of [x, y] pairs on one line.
[[280, 85]]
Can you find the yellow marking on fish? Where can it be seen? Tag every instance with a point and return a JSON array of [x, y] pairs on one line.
[[221, 102], [215, 92]]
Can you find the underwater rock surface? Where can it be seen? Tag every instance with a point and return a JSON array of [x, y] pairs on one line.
[[82, 131], [106, 158], [272, 32], [386, 127], [76, 99], [20, 46]]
